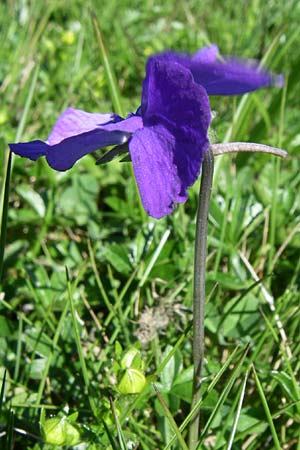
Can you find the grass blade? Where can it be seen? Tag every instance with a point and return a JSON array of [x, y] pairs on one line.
[[5, 211], [172, 422], [120, 435], [276, 178], [50, 357], [267, 410], [19, 349], [10, 431], [8, 170], [109, 306], [110, 437], [209, 389], [112, 83], [79, 347], [113, 89], [238, 412], [222, 397], [155, 256], [2, 390]]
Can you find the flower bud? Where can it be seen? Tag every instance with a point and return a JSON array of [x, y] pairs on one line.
[[53, 431], [132, 359], [132, 382], [58, 431]]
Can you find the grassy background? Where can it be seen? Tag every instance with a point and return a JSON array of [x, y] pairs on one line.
[[130, 276]]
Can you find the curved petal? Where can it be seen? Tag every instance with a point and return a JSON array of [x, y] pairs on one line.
[[206, 55], [62, 156], [129, 125], [171, 96], [165, 165], [231, 76], [75, 121], [32, 150]]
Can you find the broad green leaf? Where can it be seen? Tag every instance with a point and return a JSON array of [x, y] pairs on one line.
[[37, 367], [286, 383], [33, 198], [38, 342], [6, 327], [118, 257]]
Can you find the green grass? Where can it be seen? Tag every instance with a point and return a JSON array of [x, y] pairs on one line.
[[129, 281]]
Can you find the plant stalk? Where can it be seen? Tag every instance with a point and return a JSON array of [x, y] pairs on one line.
[[199, 288], [248, 147], [200, 263]]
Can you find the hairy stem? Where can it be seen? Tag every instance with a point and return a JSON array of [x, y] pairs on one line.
[[199, 288], [237, 147], [200, 263]]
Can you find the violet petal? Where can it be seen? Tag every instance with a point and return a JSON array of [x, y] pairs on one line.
[[32, 150], [167, 153], [75, 121], [231, 76], [62, 156], [152, 151], [171, 96], [207, 54], [164, 167], [129, 125]]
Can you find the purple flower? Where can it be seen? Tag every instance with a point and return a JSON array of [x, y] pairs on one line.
[[167, 138], [167, 141]]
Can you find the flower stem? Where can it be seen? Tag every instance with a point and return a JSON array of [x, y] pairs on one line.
[[237, 147], [200, 263], [199, 288]]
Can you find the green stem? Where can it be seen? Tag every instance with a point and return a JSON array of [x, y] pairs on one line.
[[5, 212], [8, 171], [199, 288]]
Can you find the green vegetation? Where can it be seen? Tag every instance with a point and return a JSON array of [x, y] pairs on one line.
[[95, 294]]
